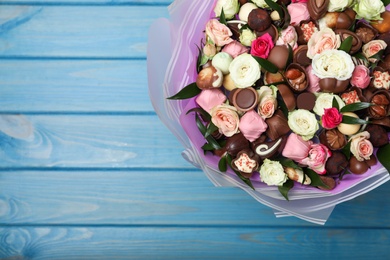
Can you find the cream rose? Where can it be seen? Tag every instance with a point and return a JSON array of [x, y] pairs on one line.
[[246, 37], [230, 8], [325, 100], [272, 173], [373, 47], [325, 39], [225, 117], [218, 33], [369, 9], [244, 70], [303, 123], [339, 5], [333, 64], [267, 102], [361, 147], [261, 3]]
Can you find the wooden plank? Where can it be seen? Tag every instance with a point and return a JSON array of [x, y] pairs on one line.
[[192, 243], [156, 198], [76, 31], [88, 141], [74, 86], [91, 2]]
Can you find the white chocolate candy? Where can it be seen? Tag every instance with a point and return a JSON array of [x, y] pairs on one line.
[[245, 10], [349, 129], [222, 62]]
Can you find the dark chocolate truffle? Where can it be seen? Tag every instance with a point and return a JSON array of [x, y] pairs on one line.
[[356, 166], [328, 181], [336, 163], [333, 139], [378, 135], [306, 100], [259, 20], [277, 125]]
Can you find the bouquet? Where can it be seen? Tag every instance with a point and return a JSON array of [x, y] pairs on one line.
[[288, 100]]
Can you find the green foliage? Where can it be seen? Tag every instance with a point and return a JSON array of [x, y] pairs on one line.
[[188, 91]]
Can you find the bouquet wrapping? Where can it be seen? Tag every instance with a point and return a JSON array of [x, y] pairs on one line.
[[174, 46]]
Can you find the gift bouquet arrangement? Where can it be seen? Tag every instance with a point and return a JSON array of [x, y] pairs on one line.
[[288, 99]]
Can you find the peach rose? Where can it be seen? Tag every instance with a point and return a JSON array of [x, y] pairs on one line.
[[325, 39], [225, 117], [267, 106], [218, 32], [361, 77], [361, 147], [373, 47]]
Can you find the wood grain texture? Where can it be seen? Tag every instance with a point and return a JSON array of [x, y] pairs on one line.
[[87, 86], [192, 243]]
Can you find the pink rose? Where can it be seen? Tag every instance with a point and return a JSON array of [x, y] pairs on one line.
[[288, 36], [225, 117], [373, 47], [262, 45], [298, 12], [296, 148], [209, 98], [360, 77], [235, 48], [267, 106], [314, 81], [325, 39], [252, 125], [361, 147], [316, 160], [218, 32], [331, 118]]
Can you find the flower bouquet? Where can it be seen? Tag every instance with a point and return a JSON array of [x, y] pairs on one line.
[[288, 100]]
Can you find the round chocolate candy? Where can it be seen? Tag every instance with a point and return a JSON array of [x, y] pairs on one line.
[[259, 20], [336, 163], [306, 100], [356, 166], [378, 135], [333, 139], [235, 144], [349, 129], [244, 99]]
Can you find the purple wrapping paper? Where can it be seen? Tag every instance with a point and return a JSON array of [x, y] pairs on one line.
[[172, 55]]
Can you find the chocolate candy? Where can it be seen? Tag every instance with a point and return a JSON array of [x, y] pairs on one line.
[[235, 144], [333, 139], [288, 96], [332, 85], [356, 42], [306, 100], [267, 149], [317, 8], [245, 163], [383, 26], [209, 77], [336, 163], [328, 181], [259, 20], [337, 20], [244, 99], [378, 135], [300, 56], [356, 166], [296, 77], [279, 56], [365, 32], [277, 125], [272, 31], [381, 101]]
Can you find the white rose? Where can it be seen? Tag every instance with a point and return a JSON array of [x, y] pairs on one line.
[[244, 70], [230, 8], [333, 64], [361, 147], [325, 100], [272, 173], [369, 9], [339, 5], [246, 37], [261, 3], [303, 123]]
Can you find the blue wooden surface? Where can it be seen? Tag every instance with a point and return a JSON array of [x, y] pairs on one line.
[[87, 170]]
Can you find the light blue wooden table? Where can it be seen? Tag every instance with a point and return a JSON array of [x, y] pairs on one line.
[[87, 170]]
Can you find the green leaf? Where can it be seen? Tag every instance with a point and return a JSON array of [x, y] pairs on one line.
[[355, 106], [199, 60], [267, 65], [207, 147], [377, 55], [346, 45], [285, 188], [282, 105], [222, 164], [288, 163], [383, 155], [385, 2], [315, 179], [347, 150], [211, 128], [335, 104], [222, 18], [360, 56], [353, 120], [202, 128], [188, 91], [245, 180], [206, 116]]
